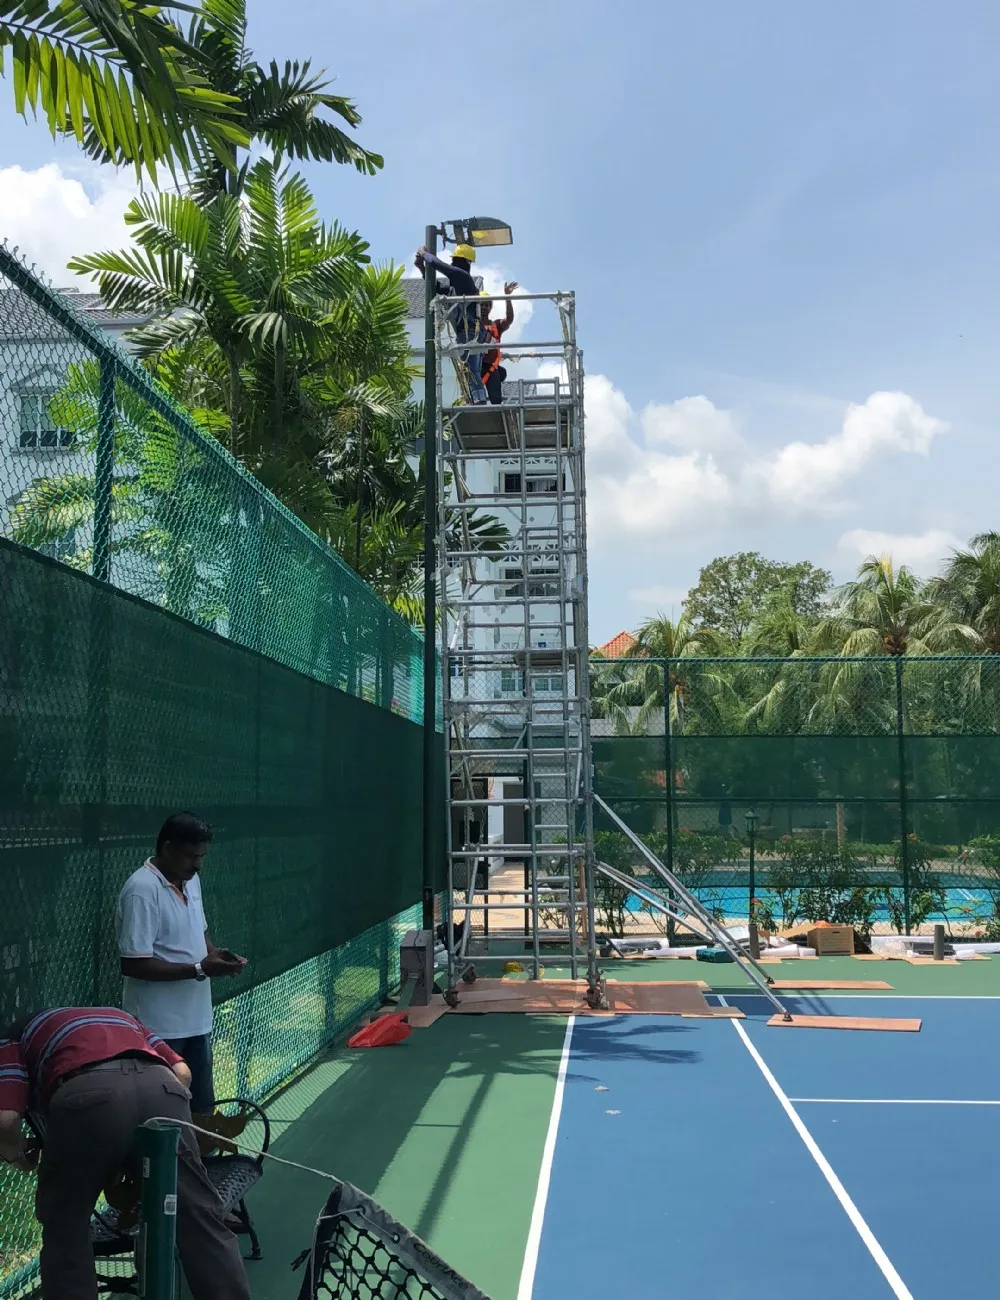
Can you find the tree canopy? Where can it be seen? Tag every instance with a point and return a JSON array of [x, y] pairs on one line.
[[732, 589]]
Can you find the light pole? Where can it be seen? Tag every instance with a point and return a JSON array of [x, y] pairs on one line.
[[479, 232], [753, 821]]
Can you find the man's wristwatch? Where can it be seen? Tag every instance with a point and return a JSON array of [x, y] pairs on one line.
[[199, 974]]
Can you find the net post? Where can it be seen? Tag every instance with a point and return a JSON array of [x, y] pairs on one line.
[[158, 1210], [939, 943]]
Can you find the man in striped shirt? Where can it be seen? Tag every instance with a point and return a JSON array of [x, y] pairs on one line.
[[95, 1074]]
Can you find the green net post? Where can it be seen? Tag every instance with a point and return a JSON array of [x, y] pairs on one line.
[[158, 1214], [104, 472], [430, 742], [668, 763], [904, 820]]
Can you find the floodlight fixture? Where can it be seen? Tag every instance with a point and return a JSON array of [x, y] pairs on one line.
[[480, 232]]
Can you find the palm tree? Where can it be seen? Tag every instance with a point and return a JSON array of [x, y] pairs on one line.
[[119, 77], [877, 614], [963, 604], [661, 638], [279, 108], [173, 519], [779, 628], [253, 281]]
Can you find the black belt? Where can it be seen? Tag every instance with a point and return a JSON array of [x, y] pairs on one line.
[[105, 1064]]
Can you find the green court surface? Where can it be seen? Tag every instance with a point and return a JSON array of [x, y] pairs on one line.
[[967, 978], [447, 1129]]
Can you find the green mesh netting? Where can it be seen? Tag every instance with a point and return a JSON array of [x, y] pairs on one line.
[[170, 636], [103, 471], [260, 1038], [116, 714], [874, 777]]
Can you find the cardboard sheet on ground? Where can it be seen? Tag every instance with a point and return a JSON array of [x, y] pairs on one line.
[[845, 1022], [569, 997]]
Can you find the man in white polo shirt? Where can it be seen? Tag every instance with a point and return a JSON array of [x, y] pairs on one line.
[[167, 957]]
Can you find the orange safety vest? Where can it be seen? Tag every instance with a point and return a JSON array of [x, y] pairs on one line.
[[491, 360]]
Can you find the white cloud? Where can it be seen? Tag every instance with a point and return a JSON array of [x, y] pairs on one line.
[[807, 474], [691, 424], [52, 215], [685, 468], [923, 552]]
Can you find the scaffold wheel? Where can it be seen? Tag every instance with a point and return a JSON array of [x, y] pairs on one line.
[[469, 975], [597, 995]]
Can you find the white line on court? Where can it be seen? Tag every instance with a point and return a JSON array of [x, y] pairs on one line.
[[527, 1283], [890, 1101], [876, 995], [896, 1283]]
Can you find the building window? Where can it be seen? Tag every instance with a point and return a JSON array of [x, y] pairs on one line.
[[543, 583], [546, 484], [38, 430], [512, 683]]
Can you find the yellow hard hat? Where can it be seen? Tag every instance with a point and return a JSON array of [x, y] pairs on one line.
[[466, 251]]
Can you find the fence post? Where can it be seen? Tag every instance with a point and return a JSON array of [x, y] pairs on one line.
[[158, 1213], [104, 473], [904, 826], [668, 760]]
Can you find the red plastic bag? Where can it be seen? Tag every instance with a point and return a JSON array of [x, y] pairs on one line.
[[382, 1032]]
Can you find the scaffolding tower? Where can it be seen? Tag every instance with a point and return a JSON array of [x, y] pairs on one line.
[[514, 654]]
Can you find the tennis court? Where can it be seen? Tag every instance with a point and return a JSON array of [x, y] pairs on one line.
[[648, 1155]]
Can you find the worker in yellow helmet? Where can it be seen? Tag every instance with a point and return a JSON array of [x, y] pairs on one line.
[[466, 317]]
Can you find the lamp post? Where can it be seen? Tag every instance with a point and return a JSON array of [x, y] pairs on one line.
[[753, 821], [479, 232]]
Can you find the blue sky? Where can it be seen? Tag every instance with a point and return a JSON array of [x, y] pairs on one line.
[[771, 214]]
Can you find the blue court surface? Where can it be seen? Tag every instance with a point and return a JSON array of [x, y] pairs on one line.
[[728, 1159]]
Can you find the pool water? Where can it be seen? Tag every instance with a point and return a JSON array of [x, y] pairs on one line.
[[732, 901]]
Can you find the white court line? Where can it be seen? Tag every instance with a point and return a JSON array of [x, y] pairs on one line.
[[896, 1283], [527, 1283], [876, 995], [890, 1101]]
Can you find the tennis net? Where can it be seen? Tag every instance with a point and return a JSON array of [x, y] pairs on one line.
[[360, 1252]]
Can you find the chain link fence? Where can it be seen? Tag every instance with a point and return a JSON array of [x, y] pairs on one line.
[[866, 786], [172, 637]]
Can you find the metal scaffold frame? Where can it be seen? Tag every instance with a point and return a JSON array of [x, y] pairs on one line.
[[514, 659]]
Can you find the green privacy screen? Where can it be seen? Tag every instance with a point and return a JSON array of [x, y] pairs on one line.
[[172, 637], [103, 471], [871, 772], [116, 714]]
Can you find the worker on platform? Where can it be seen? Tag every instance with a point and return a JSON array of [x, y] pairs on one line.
[[93, 1075], [493, 372], [466, 318]]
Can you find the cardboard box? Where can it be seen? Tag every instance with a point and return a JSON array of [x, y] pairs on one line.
[[832, 940]]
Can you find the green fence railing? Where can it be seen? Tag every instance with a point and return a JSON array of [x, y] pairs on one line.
[[171, 637], [101, 469], [871, 782]]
